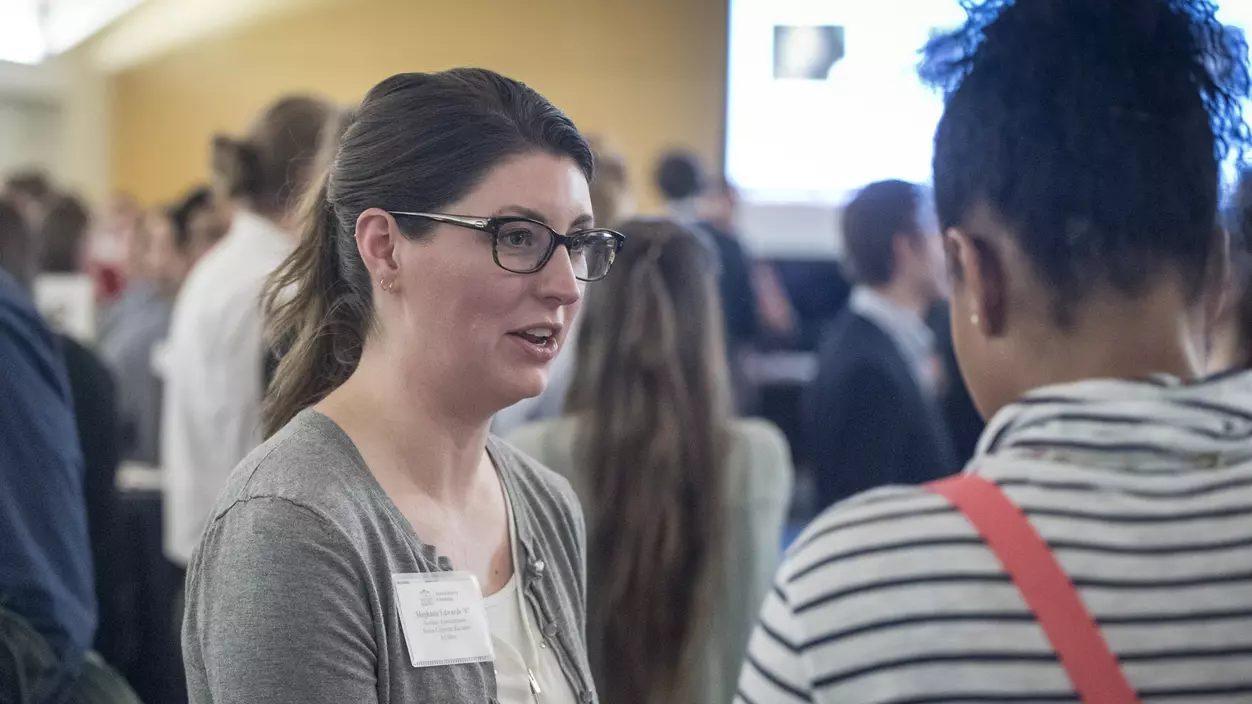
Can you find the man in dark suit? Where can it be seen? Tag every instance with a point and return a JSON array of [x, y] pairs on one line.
[[872, 417]]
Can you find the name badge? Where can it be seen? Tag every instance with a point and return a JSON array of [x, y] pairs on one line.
[[443, 618]]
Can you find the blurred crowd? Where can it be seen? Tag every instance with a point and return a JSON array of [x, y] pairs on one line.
[[232, 424], [175, 400]]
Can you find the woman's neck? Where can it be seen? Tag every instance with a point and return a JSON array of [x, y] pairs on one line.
[[403, 432], [1115, 339]]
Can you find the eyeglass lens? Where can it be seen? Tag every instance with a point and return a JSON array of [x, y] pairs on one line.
[[521, 248]]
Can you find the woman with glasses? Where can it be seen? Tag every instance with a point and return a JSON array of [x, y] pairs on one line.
[[685, 506], [381, 546]]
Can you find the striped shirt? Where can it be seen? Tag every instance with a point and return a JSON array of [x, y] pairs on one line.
[[1143, 490]]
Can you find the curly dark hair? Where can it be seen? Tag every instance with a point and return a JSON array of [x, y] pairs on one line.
[[1094, 130]]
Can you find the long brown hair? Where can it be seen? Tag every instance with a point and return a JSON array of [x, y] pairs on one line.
[[416, 143], [651, 393], [271, 167]]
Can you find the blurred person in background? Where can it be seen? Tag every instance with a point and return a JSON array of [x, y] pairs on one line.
[[680, 179], [612, 197], [760, 293], [32, 193], [612, 202], [176, 238], [115, 251], [1114, 480], [690, 202], [129, 259], [53, 515], [121, 250], [62, 236], [215, 354], [123, 220], [441, 263], [198, 225], [61, 242], [872, 415], [685, 506]]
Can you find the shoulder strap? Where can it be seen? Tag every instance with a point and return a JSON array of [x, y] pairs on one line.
[[1092, 667]]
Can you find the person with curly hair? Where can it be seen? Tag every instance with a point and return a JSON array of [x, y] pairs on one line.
[[1098, 547]]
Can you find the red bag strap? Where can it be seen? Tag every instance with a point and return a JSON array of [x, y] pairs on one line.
[[1092, 667]]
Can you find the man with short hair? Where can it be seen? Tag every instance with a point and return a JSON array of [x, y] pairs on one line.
[[871, 417]]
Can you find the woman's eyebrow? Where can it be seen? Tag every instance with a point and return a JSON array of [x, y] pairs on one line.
[[581, 222], [522, 211]]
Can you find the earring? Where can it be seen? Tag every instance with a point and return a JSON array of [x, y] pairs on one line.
[[974, 319], [386, 285]]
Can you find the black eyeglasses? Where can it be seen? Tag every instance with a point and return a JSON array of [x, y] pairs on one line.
[[524, 246]]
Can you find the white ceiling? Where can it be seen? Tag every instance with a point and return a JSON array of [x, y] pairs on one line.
[[33, 30]]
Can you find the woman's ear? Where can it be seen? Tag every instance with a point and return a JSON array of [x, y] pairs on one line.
[[978, 277], [377, 234]]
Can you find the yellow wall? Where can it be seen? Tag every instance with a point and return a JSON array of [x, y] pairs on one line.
[[648, 74]]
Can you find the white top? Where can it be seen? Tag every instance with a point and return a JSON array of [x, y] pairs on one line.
[[214, 375], [1143, 490], [518, 653]]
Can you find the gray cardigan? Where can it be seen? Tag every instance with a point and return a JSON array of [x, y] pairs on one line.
[[758, 494], [289, 596]]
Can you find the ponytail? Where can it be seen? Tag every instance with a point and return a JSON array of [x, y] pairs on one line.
[[236, 167], [273, 166], [318, 311]]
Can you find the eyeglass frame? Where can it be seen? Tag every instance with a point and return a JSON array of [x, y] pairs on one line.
[[492, 226]]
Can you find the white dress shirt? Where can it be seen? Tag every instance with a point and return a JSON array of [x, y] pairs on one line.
[[214, 375]]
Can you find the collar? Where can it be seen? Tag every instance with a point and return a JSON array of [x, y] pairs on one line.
[[906, 328], [684, 212], [246, 227], [1155, 424]]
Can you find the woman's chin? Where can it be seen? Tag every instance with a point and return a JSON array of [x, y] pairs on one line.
[[526, 386]]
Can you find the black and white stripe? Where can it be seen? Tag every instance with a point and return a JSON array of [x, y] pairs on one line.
[[1143, 489]]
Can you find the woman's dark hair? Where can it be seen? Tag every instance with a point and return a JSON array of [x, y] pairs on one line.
[[878, 213], [17, 246], [271, 168], [1094, 130], [419, 141], [651, 395], [61, 236]]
